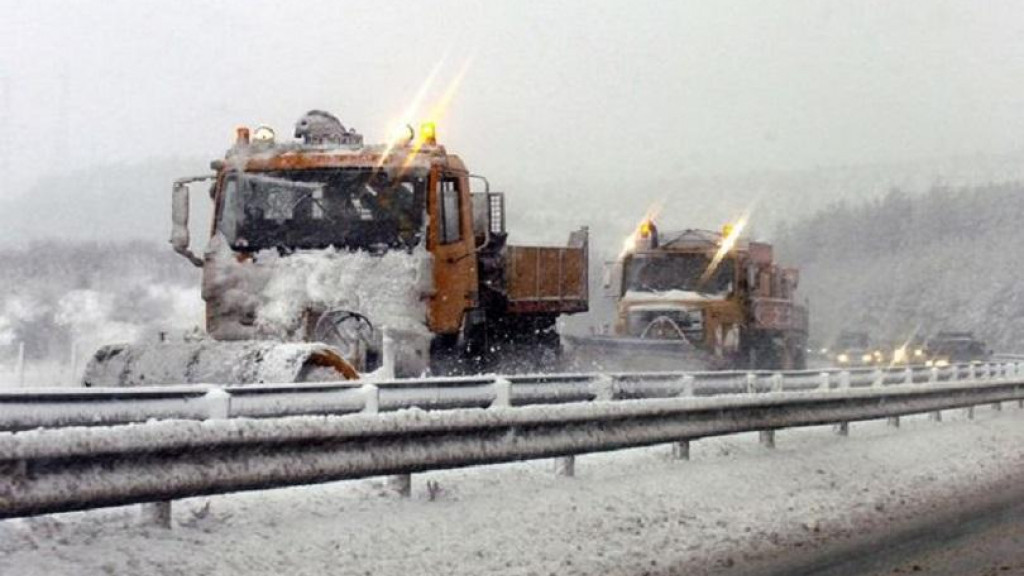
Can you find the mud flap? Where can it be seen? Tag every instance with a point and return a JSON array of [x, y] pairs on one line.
[[213, 362]]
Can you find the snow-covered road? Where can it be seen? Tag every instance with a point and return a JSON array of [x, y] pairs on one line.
[[734, 506]]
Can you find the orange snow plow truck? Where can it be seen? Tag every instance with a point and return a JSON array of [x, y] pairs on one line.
[[329, 258], [698, 300]]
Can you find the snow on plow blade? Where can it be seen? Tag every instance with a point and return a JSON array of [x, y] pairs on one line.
[[213, 362], [623, 354]]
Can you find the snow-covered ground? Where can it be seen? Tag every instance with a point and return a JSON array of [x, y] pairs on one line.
[[40, 374], [629, 512]]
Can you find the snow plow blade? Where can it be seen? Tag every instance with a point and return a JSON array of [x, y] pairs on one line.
[[214, 362], [622, 354]]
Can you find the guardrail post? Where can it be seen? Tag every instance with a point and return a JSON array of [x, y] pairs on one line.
[[879, 378], [751, 381], [388, 356], [218, 404], [778, 382], [565, 466], [400, 484], [997, 406], [19, 368], [688, 386], [933, 375], [502, 393], [954, 373], [72, 362], [823, 380], [603, 388], [157, 514], [681, 450], [842, 429], [893, 421], [371, 399], [971, 376], [767, 438], [908, 376], [218, 407], [844, 380], [935, 416], [969, 411]]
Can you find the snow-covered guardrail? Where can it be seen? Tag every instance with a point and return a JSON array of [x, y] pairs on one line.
[[63, 469], [57, 407]]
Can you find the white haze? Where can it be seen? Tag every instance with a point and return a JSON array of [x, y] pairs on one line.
[[613, 104], [584, 112]]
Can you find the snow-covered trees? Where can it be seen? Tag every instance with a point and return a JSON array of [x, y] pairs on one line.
[[947, 259], [53, 293]]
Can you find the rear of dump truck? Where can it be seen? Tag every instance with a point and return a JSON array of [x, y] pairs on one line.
[[524, 289], [548, 280]]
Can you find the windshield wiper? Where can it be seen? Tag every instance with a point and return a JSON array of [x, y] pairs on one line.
[[309, 196]]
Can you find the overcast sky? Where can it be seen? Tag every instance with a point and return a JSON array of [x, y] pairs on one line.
[[616, 90]]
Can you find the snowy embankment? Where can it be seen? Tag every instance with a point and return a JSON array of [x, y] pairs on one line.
[[630, 512]]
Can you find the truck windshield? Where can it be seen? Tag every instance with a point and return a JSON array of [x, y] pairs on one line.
[[662, 272], [350, 208]]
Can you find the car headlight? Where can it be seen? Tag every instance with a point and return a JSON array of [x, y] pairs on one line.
[[842, 358], [866, 358]]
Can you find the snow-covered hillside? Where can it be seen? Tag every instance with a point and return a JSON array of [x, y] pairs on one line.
[[63, 299], [943, 260]]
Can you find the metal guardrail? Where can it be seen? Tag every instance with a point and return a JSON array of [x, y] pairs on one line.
[[58, 407], [63, 469]]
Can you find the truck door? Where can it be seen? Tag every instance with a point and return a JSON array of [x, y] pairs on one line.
[[450, 240]]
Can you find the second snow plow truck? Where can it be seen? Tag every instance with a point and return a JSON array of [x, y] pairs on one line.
[[698, 300], [325, 251]]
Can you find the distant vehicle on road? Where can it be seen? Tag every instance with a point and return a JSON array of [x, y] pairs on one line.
[[853, 348], [947, 348], [909, 353]]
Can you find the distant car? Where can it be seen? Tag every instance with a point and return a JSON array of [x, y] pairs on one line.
[[854, 349], [909, 353], [955, 348]]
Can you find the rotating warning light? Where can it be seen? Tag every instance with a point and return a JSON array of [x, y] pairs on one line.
[[428, 133], [263, 134], [645, 229]]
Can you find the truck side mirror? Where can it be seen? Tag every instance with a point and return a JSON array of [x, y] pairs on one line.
[[611, 280], [179, 219]]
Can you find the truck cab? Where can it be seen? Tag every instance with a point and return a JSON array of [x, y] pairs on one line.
[[330, 240], [716, 292]]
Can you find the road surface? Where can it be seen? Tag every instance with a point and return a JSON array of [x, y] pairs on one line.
[[983, 541]]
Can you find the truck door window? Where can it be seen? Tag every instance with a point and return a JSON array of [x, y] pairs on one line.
[[451, 208], [228, 224]]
